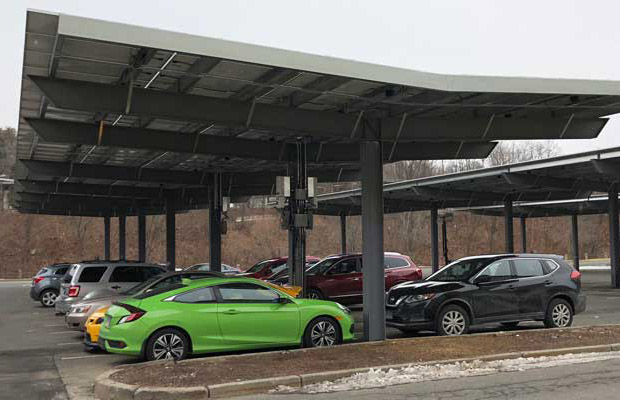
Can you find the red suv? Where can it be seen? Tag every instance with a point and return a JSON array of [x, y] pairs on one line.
[[266, 268], [339, 278]]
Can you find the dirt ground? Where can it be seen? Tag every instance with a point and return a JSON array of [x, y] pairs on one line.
[[210, 371]]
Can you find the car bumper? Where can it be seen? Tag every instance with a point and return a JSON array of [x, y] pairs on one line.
[[580, 305], [76, 321], [89, 342], [35, 294], [412, 325], [64, 303]]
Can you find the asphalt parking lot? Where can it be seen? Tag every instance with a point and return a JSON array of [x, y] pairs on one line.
[[41, 359]]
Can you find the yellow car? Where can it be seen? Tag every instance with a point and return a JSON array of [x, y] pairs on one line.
[[292, 291], [92, 327]]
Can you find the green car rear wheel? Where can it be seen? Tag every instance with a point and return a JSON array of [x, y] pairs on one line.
[[167, 344]]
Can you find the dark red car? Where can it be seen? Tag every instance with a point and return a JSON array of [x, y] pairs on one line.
[[266, 268], [339, 278]]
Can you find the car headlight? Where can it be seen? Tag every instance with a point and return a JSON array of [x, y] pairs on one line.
[[80, 309], [344, 309], [415, 298]]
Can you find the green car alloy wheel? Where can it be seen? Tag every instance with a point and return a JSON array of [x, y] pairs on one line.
[[220, 314]]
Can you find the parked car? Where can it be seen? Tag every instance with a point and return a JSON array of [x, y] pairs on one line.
[[282, 272], [92, 328], [339, 277], [45, 286], [226, 269], [505, 289], [264, 269], [80, 312], [221, 314], [84, 277]]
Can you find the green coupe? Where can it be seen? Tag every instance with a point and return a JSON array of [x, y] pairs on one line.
[[220, 314]]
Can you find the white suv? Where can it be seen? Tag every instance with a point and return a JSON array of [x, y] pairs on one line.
[[86, 276]]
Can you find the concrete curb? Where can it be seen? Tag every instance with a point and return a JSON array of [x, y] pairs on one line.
[[107, 389]]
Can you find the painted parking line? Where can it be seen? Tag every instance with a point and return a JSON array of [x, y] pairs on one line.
[[59, 332], [70, 344], [54, 325], [79, 357]]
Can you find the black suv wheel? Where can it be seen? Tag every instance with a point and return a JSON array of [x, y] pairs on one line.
[[452, 320], [559, 314]]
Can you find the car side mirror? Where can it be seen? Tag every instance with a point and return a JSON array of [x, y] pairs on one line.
[[283, 300], [482, 279]]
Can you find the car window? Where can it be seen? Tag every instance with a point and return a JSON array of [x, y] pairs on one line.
[[259, 266], [69, 276], [92, 274], [528, 267], [203, 295], [322, 266], [61, 271], [497, 271], [42, 271], [346, 266], [150, 293], [247, 293], [149, 272], [395, 262], [550, 266], [126, 274]]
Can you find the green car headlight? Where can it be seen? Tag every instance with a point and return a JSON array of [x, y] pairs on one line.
[[344, 309], [415, 298]]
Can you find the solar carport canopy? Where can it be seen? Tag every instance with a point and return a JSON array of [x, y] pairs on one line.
[[544, 185], [142, 117]]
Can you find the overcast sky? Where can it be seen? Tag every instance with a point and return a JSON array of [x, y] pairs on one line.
[[551, 38]]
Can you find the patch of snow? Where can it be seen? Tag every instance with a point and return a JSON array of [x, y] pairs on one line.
[[418, 373]]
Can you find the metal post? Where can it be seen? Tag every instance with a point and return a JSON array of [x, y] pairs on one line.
[[575, 226], [434, 239], [298, 209], [372, 241], [141, 236], [343, 233], [523, 235], [106, 237], [444, 241], [121, 236], [508, 226], [614, 236], [170, 237], [215, 225]]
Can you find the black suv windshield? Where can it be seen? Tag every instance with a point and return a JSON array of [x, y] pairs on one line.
[[460, 271]]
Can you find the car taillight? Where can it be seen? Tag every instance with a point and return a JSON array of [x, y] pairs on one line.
[[37, 279], [575, 275], [131, 317], [73, 291]]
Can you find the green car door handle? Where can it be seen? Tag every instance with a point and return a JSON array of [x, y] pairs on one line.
[[231, 312]]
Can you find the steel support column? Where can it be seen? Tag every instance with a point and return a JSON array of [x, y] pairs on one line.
[[141, 236], [372, 241], [434, 240], [170, 237], [614, 237], [523, 235], [508, 226], [444, 241], [298, 209], [215, 225], [106, 238], [575, 240], [343, 233], [122, 237]]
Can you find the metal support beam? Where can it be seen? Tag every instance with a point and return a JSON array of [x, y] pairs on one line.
[[434, 240], [98, 97], [298, 209], [122, 236], [372, 241], [170, 238], [541, 182], [66, 132], [523, 234], [106, 238], [614, 236], [575, 240], [444, 241], [215, 225], [343, 233], [508, 227], [141, 236]]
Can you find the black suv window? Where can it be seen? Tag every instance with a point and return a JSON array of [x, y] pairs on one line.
[[346, 266], [246, 293], [497, 271], [92, 274], [395, 262], [126, 274], [204, 295], [149, 272], [528, 267]]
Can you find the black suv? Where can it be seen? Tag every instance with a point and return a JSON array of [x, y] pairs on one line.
[[505, 289]]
